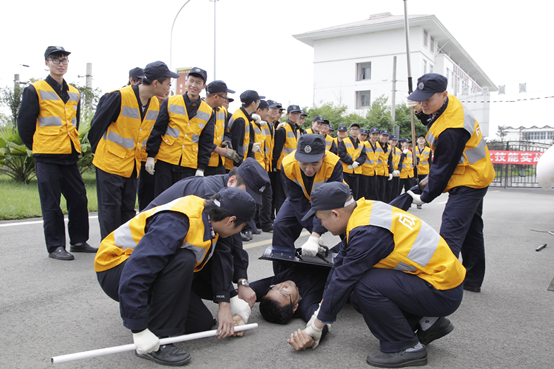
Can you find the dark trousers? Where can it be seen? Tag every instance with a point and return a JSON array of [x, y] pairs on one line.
[[462, 229], [279, 191], [353, 181], [381, 187], [173, 309], [166, 175], [263, 215], [211, 171], [146, 184], [406, 184], [53, 181], [286, 229], [370, 192], [393, 188], [421, 177], [116, 200], [392, 303]]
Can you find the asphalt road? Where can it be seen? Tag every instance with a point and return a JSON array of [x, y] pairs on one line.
[[50, 308]]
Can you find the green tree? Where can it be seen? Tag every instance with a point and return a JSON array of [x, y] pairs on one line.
[[501, 132], [404, 122], [11, 98], [16, 161], [89, 96]]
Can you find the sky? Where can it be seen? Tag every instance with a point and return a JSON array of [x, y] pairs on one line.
[[255, 48]]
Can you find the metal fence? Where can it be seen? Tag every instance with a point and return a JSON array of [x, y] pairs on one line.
[[516, 175]]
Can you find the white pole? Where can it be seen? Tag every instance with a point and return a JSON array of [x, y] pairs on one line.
[[171, 35], [131, 347]]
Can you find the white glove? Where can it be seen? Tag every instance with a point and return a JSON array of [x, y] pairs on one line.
[[311, 247], [149, 166], [282, 125], [227, 144], [405, 151], [256, 147], [390, 177], [413, 104], [314, 332], [417, 198], [146, 342], [256, 118], [199, 173], [355, 165], [314, 316], [350, 167], [396, 173], [240, 307]]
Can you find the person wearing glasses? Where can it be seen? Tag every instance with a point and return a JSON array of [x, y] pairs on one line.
[[181, 141], [48, 121]]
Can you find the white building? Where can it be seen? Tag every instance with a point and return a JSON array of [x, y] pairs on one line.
[[541, 135], [353, 63]]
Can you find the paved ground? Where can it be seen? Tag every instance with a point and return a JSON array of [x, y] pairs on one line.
[[50, 308]]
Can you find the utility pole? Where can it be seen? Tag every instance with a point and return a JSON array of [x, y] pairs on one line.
[[89, 75], [15, 81], [393, 96]]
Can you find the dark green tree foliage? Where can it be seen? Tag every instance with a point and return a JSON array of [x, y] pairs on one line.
[[11, 98]]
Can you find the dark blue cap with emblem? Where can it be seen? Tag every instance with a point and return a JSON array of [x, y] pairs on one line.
[[384, 132], [55, 49], [255, 177], [249, 96], [293, 109], [374, 130], [393, 138], [363, 131], [218, 86], [428, 85], [158, 69], [199, 72], [310, 148], [136, 73], [273, 104], [342, 128], [329, 196], [263, 104], [238, 203]]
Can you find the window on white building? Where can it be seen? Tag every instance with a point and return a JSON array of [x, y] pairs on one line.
[[424, 66], [425, 37], [432, 45], [363, 99], [364, 71], [550, 135]]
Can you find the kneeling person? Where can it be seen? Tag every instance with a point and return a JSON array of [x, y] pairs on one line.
[[397, 271], [148, 266]]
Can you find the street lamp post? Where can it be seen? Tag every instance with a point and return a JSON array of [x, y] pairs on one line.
[[171, 35], [215, 2]]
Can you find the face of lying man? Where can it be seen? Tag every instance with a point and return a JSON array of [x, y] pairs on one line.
[[285, 293]]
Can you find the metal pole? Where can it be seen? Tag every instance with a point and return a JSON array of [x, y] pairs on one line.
[[89, 75], [171, 35], [15, 81], [215, 2], [393, 98], [410, 89]]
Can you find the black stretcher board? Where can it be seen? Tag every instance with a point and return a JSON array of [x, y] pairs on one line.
[[289, 254]]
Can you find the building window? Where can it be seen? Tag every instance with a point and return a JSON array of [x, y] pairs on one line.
[[550, 135], [363, 99], [430, 68], [364, 71], [432, 44], [424, 66], [425, 36]]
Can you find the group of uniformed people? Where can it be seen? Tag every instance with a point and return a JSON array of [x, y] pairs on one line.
[[209, 174]]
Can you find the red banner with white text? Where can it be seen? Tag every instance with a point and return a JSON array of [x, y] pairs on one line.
[[515, 157]]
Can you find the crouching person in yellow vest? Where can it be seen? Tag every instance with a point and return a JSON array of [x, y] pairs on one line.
[[395, 269], [118, 133], [149, 263]]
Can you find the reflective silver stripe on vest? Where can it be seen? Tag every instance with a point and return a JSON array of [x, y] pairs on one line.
[[266, 131], [144, 143], [368, 161], [49, 121], [318, 184], [220, 116], [405, 267], [127, 143], [257, 130], [477, 153], [378, 149], [199, 252], [173, 132], [177, 109], [202, 116], [301, 185], [49, 95], [129, 112], [431, 139], [291, 134], [230, 123], [151, 115], [423, 163], [469, 121], [195, 138], [348, 144], [247, 128], [73, 96], [74, 122], [123, 237], [425, 245], [286, 150], [381, 215]]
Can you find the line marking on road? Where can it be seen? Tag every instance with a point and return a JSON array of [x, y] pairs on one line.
[[266, 242], [37, 222]]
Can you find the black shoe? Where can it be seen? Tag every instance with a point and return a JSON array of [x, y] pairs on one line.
[[268, 229], [419, 206], [60, 254], [167, 355], [472, 289], [244, 237], [83, 247], [441, 328], [398, 359], [248, 234]]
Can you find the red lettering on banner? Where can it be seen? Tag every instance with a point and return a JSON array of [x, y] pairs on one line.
[[515, 157]]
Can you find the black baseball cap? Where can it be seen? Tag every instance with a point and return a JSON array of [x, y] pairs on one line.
[[255, 177], [385, 132], [302, 112], [230, 99], [342, 128], [428, 85], [250, 95], [324, 121], [273, 104], [310, 148], [55, 49], [293, 109], [238, 203], [158, 69], [402, 140], [263, 104], [199, 72], [363, 131], [136, 73], [319, 119], [331, 127], [374, 130], [420, 136], [393, 138], [218, 86], [354, 125], [329, 196]]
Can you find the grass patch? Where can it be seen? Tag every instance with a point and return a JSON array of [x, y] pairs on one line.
[[19, 200]]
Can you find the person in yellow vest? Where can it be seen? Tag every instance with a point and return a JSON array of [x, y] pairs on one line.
[[325, 131], [396, 271], [382, 167], [119, 131], [302, 119], [180, 144], [406, 166], [424, 158], [47, 122], [370, 164], [394, 183], [286, 137], [149, 263], [462, 167], [273, 117], [304, 170], [216, 95], [367, 166], [315, 125], [352, 154], [135, 76]]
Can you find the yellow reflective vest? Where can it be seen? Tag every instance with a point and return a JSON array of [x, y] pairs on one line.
[[395, 152], [475, 167], [219, 133], [259, 137], [354, 153], [292, 171], [56, 125], [118, 245], [382, 167], [407, 168], [328, 142], [423, 162], [290, 143], [229, 164], [121, 148], [368, 167], [418, 248], [180, 141]]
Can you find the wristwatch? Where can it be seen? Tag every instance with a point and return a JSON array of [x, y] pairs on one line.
[[244, 282]]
